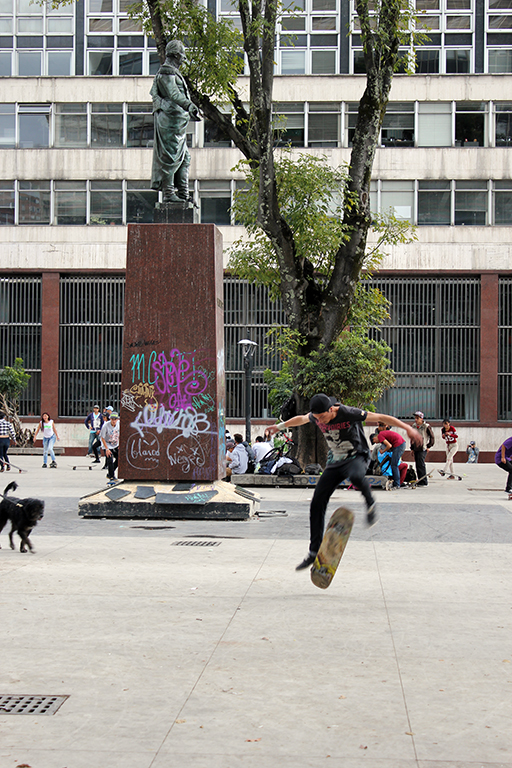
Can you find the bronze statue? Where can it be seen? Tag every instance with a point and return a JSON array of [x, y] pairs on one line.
[[172, 109]]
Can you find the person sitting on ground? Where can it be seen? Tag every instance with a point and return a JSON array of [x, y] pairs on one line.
[[261, 448], [237, 465]]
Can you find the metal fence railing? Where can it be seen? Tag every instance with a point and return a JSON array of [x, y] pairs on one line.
[[505, 349], [20, 333]]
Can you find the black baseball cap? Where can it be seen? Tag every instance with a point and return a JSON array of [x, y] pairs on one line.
[[320, 403]]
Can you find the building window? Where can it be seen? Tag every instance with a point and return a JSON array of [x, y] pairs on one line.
[[293, 62], [323, 125], [59, 63], [471, 203], [288, 122], [398, 125], [397, 197], [29, 63], [470, 124], [100, 62], [215, 202], [107, 125], [34, 202], [458, 62], [106, 202], [7, 202], [502, 203], [434, 203], [140, 202], [434, 124], [5, 64], [70, 125], [139, 125], [500, 61], [70, 202], [34, 126], [427, 61], [503, 112], [130, 64], [7, 126]]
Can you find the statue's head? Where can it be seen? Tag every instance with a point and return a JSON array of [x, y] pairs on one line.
[[176, 50]]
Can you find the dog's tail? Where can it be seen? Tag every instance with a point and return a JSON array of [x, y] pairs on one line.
[[11, 487]]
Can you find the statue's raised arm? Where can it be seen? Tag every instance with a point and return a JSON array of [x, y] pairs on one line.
[[172, 110]]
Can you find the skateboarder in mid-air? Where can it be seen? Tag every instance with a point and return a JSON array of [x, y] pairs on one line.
[[342, 427]]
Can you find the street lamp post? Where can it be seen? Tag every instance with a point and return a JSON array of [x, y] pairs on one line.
[[248, 350]]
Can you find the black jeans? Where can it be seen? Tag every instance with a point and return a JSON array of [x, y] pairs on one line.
[[507, 466], [4, 447], [112, 462], [353, 469], [421, 470], [96, 447]]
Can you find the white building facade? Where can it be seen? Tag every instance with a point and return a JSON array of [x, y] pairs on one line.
[[76, 136]]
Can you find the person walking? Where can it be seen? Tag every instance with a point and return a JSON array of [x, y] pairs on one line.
[[7, 434], [110, 440], [49, 437], [503, 460], [420, 452], [449, 435], [342, 428], [395, 443], [93, 422]]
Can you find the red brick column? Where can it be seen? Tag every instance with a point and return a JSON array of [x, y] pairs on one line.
[[50, 344], [489, 349]]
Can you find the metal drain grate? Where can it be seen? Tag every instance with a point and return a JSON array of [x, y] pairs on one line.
[[196, 543], [30, 705]]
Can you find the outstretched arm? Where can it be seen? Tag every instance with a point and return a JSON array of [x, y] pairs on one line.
[[295, 421], [414, 435]]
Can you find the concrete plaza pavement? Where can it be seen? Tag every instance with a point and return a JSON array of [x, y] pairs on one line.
[[220, 655]]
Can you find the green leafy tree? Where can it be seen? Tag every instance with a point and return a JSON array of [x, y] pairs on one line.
[[352, 367], [13, 382]]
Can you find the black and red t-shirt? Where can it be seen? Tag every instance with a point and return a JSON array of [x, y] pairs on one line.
[[344, 434]]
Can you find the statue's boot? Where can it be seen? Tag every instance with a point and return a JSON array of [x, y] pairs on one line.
[[170, 196]]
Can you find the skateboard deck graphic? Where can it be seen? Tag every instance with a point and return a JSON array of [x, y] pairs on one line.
[[332, 547]]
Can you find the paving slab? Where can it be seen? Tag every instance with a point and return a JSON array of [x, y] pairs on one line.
[[197, 643]]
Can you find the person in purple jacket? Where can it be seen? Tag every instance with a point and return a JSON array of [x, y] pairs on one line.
[[503, 459]]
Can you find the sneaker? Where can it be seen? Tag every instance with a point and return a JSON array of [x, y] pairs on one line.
[[308, 560], [372, 515], [45, 466], [8, 467], [441, 472], [451, 477], [53, 465], [96, 461]]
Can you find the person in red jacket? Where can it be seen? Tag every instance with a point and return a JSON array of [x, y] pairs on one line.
[[395, 443], [449, 435]]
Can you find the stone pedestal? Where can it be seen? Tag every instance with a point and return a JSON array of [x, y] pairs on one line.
[[173, 213], [173, 390]]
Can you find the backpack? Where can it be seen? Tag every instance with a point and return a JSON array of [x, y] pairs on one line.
[[251, 459], [293, 468], [384, 460], [313, 469], [288, 409], [410, 475]]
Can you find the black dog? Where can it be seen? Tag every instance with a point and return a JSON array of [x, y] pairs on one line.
[[24, 515]]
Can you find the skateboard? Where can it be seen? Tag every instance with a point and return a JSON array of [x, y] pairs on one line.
[[82, 466], [18, 468], [413, 483], [332, 547], [445, 474]]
